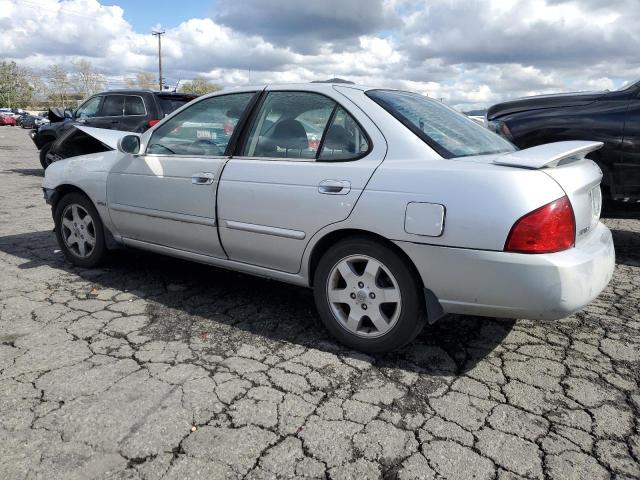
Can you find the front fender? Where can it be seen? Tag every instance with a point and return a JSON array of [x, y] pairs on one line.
[[87, 173]]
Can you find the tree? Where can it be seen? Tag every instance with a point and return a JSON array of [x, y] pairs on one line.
[[199, 86], [85, 80], [143, 80], [16, 91], [58, 85]]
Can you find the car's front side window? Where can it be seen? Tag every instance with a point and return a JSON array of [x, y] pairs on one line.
[[289, 125], [134, 105], [89, 108], [203, 128]]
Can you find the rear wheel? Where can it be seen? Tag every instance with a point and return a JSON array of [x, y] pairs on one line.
[[44, 161], [368, 296], [79, 230]]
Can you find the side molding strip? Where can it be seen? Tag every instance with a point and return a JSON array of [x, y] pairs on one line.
[[264, 229], [177, 217]]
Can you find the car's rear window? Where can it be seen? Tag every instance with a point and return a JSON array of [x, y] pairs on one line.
[[448, 132], [169, 103]]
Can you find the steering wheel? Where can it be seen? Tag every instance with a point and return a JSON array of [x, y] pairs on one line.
[[205, 141]]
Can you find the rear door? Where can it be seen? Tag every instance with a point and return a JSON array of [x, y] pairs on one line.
[[167, 195], [110, 114], [136, 114], [302, 165]]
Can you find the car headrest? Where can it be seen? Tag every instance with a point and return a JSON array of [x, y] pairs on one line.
[[289, 134], [338, 138]]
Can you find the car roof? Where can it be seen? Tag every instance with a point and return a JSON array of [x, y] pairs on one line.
[[131, 91], [310, 87]]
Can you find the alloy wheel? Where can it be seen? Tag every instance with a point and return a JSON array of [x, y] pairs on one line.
[[364, 296], [78, 230]]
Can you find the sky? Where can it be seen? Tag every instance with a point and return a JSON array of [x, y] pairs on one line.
[[469, 53]]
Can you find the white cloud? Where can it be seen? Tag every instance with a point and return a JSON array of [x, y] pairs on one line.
[[471, 53]]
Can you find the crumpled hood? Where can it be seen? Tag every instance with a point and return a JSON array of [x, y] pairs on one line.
[[108, 137], [56, 114], [542, 101]]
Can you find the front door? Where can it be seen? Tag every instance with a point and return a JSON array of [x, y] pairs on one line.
[[302, 166], [88, 114], [166, 196]]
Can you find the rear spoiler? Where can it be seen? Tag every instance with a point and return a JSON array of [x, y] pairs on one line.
[[548, 155]]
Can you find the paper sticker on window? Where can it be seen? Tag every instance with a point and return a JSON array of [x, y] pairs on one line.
[[208, 134]]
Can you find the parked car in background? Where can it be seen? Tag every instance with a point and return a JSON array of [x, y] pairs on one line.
[[127, 110], [7, 119], [32, 121], [402, 211], [611, 117]]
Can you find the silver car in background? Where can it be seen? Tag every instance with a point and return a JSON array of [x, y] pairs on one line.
[[402, 211]]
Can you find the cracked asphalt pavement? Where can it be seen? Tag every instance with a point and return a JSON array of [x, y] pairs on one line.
[[150, 367]]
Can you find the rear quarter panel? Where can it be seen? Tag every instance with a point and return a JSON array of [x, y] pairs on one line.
[[482, 202]]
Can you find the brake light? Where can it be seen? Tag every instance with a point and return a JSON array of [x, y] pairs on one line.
[[548, 229], [151, 123]]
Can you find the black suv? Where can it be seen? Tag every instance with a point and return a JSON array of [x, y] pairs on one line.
[[128, 110], [609, 117]]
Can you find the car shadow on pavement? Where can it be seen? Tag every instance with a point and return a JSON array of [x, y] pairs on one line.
[[192, 302], [28, 172], [627, 243]]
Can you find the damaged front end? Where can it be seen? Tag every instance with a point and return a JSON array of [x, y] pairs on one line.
[[83, 141]]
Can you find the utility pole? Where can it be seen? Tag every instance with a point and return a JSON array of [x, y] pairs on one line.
[[159, 33]]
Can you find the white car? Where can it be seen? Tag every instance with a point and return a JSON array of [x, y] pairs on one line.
[[405, 210]]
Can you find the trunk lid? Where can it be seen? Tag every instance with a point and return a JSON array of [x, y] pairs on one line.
[[566, 164]]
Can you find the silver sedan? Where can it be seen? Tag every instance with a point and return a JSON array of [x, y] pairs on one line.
[[394, 208]]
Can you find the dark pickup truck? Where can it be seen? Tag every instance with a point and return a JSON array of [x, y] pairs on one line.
[[128, 110], [611, 117]]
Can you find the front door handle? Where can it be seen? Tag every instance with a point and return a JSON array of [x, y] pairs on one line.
[[334, 187], [203, 178]]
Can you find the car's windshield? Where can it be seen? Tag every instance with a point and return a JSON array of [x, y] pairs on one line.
[[448, 132]]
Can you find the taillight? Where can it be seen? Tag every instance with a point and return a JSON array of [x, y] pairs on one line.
[[151, 123], [548, 229]]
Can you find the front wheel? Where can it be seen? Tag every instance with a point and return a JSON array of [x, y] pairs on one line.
[[44, 161], [79, 230], [368, 296]]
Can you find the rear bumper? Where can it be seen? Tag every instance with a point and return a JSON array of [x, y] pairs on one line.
[[513, 285]]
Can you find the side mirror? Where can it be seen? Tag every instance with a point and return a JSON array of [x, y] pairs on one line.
[[129, 144], [68, 113]]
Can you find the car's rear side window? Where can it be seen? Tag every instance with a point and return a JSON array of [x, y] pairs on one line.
[[448, 132], [289, 125], [305, 126], [134, 105], [344, 139], [169, 103], [113, 106]]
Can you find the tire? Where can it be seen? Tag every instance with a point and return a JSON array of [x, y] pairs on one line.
[[43, 155], [81, 241], [351, 308]]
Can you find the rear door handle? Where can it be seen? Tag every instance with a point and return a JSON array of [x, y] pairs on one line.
[[203, 178], [334, 187]]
